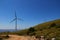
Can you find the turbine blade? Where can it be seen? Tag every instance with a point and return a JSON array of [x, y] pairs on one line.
[[20, 19], [15, 14], [13, 20]]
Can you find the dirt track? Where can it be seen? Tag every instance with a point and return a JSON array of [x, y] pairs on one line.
[[16, 37]]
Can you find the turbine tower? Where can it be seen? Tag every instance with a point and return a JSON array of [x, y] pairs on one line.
[[15, 19]]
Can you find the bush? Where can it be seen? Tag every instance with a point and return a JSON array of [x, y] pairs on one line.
[[31, 31], [52, 25]]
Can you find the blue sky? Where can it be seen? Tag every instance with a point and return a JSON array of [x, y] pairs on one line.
[[33, 12]]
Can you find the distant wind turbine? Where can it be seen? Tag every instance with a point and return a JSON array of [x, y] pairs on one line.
[[15, 19]]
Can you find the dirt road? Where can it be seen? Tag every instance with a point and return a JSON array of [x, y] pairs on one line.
[[16, 37]]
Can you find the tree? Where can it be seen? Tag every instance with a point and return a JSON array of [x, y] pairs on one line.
[[31, 31], [52, 25]]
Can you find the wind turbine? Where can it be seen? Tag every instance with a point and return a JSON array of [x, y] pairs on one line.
[[15, 19]]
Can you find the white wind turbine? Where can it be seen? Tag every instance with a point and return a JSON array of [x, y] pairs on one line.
[[15, 19]]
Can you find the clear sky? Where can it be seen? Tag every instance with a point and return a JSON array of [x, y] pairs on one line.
[[33, 12]]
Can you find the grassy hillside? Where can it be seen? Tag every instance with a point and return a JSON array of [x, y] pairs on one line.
[[46, 25], [48, 29]]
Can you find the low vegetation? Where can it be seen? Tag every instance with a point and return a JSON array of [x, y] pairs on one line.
[[48, 29]]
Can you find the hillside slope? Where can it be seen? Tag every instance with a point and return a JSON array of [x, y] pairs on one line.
[[48, 29], [47, 24]]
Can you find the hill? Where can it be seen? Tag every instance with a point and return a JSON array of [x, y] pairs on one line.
[[48, 29], [47, 24]]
